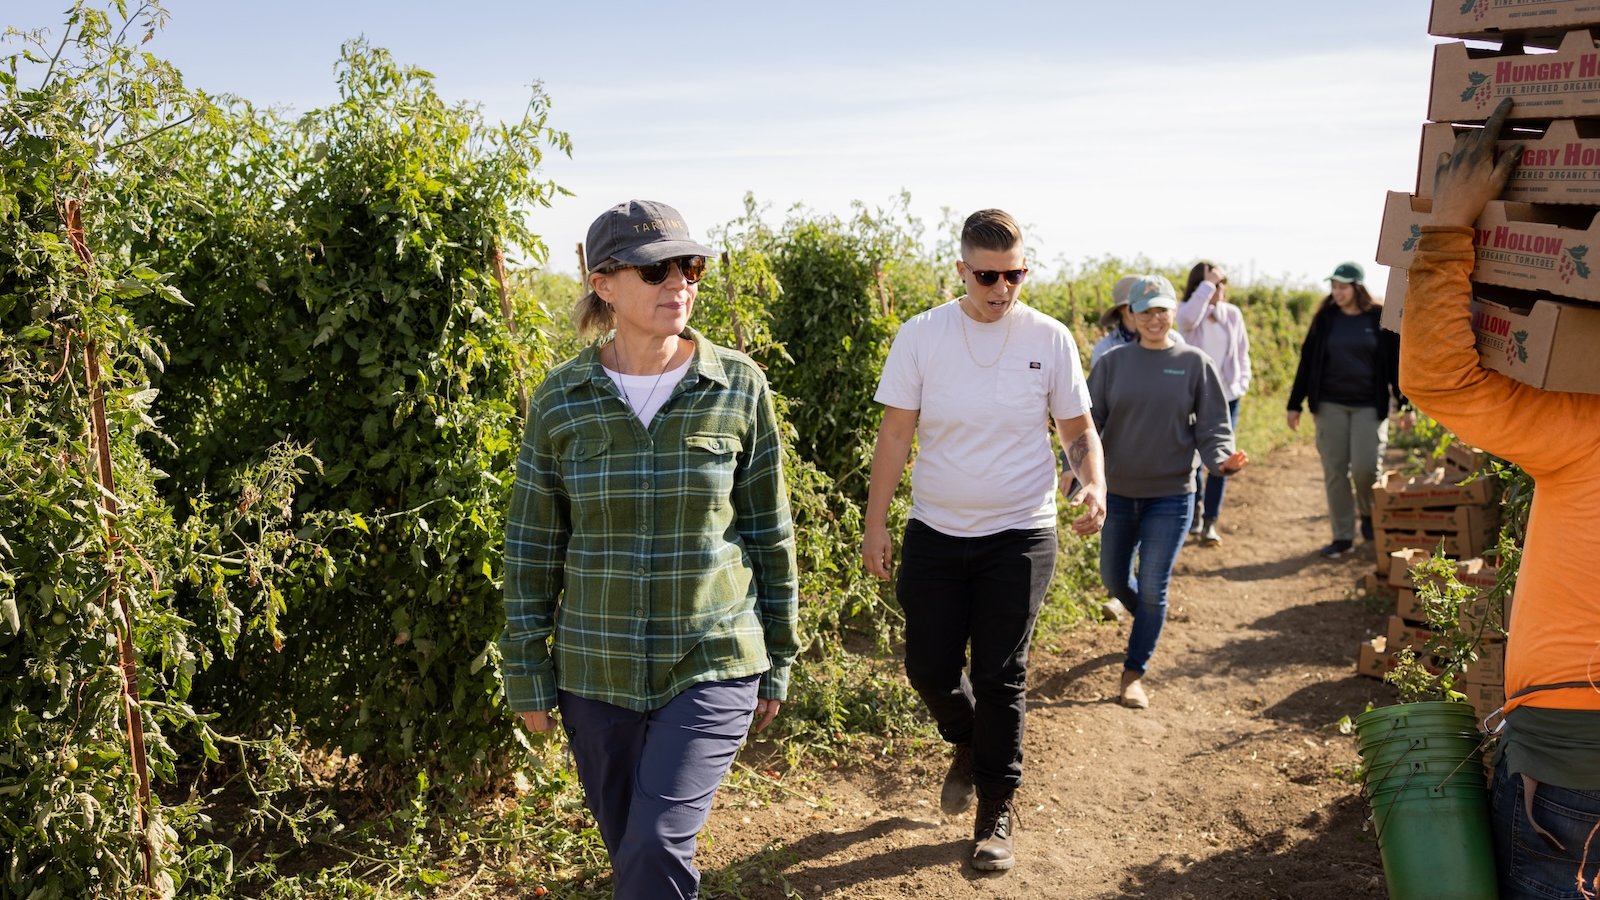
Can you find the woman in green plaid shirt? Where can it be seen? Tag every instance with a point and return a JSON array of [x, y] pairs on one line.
[[651, 592]]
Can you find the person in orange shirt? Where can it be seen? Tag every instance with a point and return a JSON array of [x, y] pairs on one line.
[[1546, 792]]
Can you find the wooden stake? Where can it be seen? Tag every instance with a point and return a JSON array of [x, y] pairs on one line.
[[498, 259], [110, 507], [733, 308]]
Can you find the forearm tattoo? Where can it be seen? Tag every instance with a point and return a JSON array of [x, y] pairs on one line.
[[1077, 452]]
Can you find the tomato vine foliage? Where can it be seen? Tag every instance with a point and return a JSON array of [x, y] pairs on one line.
[[343, 276], [76, 148]]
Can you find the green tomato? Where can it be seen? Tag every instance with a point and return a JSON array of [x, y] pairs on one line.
[[58, 618]]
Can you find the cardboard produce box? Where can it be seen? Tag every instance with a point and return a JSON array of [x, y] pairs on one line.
[[1485, 18], [1468, 82], [1485, 698], [1456, 546], [1394, 298], [1408, 606], [1463, 458], [1561, 165], [1549, 345], [1553, 346], [1491, 665], [1372, 660], [1400, 563], [1385, 560], [1457, 519], [1518, 245], [1403, 635], [1438, 488], [1476, 573]]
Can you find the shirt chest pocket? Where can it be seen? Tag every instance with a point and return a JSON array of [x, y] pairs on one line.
[[1020, 387], [709, 461], [583, 465]]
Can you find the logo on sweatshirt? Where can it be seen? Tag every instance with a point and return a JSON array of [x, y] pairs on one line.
[[1176, 371]]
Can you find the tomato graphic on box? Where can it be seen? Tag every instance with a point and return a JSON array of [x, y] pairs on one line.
[[1480, 87], [1572, 263]]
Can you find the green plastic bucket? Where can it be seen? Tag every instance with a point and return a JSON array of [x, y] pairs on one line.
[[1433, 717], [1431, 747], [1462, 770], [1430, 804]]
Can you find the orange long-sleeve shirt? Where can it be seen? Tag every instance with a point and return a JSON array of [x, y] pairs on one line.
[[1555, 437]]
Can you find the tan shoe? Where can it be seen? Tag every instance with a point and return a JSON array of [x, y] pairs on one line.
[[1133, 695]]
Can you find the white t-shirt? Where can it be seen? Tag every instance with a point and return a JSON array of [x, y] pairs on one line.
[[984, 463], [648, 393]]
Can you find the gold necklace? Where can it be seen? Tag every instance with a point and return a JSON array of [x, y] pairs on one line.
[[1010, 320]]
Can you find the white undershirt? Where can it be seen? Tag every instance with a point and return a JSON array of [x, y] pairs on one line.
[[648, 393]]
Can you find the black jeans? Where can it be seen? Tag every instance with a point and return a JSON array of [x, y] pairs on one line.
[[985, 591]]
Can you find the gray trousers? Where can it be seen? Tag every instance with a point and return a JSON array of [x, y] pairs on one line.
[[1350, 440]]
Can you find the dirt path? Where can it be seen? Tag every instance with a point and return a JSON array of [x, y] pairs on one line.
[[1228, 786]]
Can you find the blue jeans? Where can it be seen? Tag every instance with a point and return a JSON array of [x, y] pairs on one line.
[[1529, 866], [650, 777], [1153, 528], [1216, 485]]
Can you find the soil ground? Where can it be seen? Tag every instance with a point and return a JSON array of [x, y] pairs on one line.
[[1234, 783]]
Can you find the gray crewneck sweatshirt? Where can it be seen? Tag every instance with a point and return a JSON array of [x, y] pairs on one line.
[[1155, 409]]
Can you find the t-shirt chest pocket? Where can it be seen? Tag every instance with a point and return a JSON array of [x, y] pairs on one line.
[[1020, 386]]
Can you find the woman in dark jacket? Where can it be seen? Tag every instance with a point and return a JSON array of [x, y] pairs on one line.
[[1349, 370]]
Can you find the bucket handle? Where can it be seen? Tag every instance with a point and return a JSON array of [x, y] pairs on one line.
[[1434, 790]]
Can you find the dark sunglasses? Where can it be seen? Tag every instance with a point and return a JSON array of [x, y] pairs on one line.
[[987, 277], [692, 268]]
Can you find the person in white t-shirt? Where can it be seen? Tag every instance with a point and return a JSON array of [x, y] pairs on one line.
[[976, 381]]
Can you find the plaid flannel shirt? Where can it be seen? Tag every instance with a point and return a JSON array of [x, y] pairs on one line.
[[656, 558]]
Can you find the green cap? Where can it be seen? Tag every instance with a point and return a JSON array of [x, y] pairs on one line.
[[1152, 292], [1349, 273]]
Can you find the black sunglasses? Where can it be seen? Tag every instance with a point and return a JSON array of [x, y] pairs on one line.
[[692, 268], [987, 277]]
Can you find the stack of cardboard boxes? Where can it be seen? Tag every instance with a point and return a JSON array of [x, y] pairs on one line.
[[1450, 510], [1536, 307]]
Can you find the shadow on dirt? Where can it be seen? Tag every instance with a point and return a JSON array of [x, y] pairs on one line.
[[1054, 688], [1318, 704], [1324, 633], [1191, 561], [850, 870], [1326, 856]]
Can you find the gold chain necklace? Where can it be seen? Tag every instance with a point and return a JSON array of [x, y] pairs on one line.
[[1011, 319]]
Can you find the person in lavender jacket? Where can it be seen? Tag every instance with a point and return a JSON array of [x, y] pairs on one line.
[[1207, 320]]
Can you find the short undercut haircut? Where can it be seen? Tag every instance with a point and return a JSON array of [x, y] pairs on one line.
[[990, 229]]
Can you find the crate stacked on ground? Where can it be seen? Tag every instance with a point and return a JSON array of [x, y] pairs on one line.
[[1536, 306], [1449, 509], [1409, 628]]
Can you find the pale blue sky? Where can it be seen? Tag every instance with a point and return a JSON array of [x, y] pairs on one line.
[[1261, 134]]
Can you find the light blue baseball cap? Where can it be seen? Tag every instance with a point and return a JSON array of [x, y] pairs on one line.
[[1152, 292]]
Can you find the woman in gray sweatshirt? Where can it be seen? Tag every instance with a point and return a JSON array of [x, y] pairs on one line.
[[1158, 405]]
